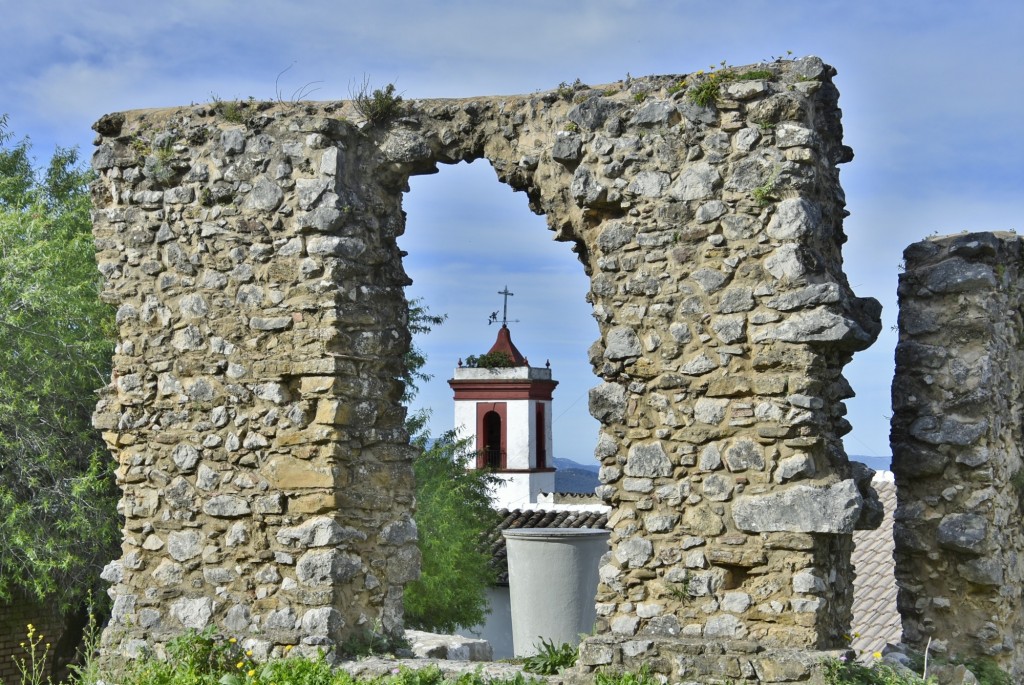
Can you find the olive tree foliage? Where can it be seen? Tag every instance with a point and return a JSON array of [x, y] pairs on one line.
[[58, 515], [453, 515]]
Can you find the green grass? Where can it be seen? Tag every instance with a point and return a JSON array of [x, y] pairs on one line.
[[706, 92], [210, 658], [756, 75]]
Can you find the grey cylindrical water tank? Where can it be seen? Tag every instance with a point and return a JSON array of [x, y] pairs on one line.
[[552, 577]]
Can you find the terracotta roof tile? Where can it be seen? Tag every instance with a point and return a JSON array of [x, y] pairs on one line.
[[527, 518], [875, 618]]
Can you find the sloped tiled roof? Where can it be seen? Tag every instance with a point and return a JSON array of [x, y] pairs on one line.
[[875, 618], [520, 518]]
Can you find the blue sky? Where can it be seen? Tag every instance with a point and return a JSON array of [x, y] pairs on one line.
[[932, 95]]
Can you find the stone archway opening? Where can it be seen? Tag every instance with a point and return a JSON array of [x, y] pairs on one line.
[[256, 417], [467, 236]]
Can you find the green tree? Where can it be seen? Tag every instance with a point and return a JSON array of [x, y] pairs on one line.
[[453, 515], [58, 520]]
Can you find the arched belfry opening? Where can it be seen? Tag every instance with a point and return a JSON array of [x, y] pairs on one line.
[[490, 441], [256, 416]]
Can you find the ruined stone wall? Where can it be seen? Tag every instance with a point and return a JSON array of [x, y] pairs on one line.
[[262, 327], [726, 321], [254, 409], [956, 440]]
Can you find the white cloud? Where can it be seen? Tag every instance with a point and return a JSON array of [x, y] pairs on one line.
[[930, 92]]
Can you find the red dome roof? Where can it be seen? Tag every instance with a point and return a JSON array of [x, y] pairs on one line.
[[504, 344]]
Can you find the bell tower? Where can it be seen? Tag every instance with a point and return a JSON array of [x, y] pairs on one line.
[[505, 411]]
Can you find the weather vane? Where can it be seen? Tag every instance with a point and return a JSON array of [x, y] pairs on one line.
[[493, 318]]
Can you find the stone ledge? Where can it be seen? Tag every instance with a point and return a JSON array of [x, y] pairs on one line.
[[374, 667], [701, 662], [448, 647]]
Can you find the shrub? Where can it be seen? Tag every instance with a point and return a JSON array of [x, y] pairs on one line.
[[379, 105], [491, 360]]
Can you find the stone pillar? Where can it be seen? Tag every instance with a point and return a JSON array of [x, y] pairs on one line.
[[956, 441], [726, 321], [254, 408]]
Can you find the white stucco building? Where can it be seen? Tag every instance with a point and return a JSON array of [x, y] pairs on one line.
[[506, 413]]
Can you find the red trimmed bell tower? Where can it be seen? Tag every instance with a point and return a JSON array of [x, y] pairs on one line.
[[506, 412]]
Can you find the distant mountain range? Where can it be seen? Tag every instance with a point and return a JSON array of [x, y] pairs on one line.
[[573, 476]]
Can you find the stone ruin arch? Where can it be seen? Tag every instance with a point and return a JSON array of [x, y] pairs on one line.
[[254, 408]]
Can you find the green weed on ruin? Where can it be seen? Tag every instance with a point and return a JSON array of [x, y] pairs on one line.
[[377, 105], [617, 677], [551, 659], [838, 672], [231, 111], [210, 658]]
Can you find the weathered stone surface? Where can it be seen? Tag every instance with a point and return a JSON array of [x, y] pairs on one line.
[[962, 532], [819, 325], [793, 219], [184, 544], [710, 411], [724, 626], [634, 552], [323, 568], [226, 506], [193, 613], [185, 457], [608, 402], [265, 196], [697, 182], [710, 280], [744, 454], [957, 275], [648, 461], [797, 466], [947, 430], [567, 147], [956, 450], [262, 292], [622, 343], [319, 531], [448, 647], [800, 509]]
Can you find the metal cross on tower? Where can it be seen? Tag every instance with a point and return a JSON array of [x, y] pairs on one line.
[[504, 317]]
